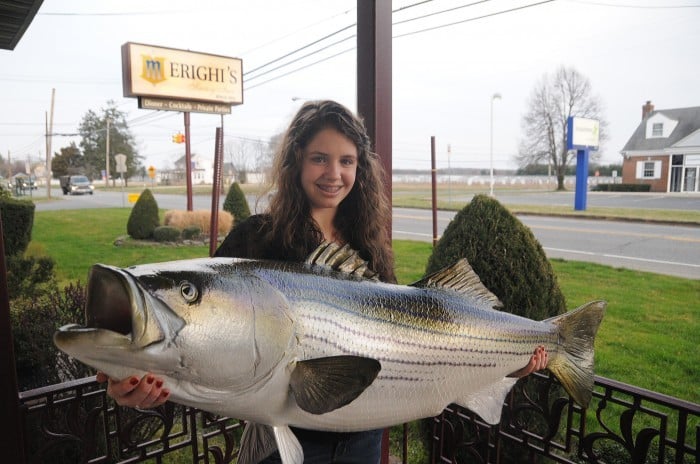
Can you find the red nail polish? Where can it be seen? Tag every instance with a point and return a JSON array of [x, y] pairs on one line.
[[159, 383], [150, 379], [133, 381]]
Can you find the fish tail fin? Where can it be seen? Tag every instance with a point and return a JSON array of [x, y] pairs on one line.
[[574, 366]]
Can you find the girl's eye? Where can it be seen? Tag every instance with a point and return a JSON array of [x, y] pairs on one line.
[[348, 161], [318, 159]]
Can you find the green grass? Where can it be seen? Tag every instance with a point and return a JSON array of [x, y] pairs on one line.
[[649, 336]]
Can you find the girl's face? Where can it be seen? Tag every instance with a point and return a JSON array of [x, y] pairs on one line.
[[328, 169]]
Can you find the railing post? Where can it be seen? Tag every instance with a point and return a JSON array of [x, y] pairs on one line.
[[12, 449]]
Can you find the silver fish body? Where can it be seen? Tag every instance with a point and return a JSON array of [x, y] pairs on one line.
[[299, 344]]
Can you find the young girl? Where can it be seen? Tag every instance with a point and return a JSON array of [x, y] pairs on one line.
[[328, 186]]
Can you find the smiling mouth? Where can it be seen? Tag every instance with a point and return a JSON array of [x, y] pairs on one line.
[[332, 189]]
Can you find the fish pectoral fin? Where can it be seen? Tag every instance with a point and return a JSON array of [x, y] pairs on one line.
[[322, 385], [488, 402], [257, 443]]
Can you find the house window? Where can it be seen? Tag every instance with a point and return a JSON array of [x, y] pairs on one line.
[[648, 170], [657, 129]]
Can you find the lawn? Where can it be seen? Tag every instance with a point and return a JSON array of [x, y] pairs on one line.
[[649, 336]]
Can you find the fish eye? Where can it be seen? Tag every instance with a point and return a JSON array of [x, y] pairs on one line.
[[189, 291]]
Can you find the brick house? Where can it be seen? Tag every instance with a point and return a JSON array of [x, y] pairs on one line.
[[664, 150]]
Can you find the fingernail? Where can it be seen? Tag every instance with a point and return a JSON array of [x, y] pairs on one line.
[[150, 379], [133, 381], [164, 393], [159, 383]]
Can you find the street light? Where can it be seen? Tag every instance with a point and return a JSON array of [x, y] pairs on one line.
[[493, 97]]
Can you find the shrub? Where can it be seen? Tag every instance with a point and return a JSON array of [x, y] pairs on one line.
[[236, 203], [17, 221], [144, 217], [191, 232], [200, 218], [27, 276], [622, 188], [34, 319], [505, 255], [166, 234]]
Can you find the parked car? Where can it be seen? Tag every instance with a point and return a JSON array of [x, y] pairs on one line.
[[76, 185]]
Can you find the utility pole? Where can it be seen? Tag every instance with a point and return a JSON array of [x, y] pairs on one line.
[[49, 139], [9, 165], [107, 156]]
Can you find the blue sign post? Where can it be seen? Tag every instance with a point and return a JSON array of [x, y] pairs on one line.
[[582, 135], [581, 179]]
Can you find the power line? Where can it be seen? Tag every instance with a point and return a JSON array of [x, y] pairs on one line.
[[472, 19], [394, 37]]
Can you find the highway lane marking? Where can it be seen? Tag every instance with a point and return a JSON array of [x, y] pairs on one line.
[[606, 255], [574, 229]]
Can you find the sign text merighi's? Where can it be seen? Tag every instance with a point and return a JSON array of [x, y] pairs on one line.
[[151, 71]]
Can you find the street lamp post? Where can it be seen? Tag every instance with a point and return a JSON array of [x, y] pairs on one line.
[[493, 97]]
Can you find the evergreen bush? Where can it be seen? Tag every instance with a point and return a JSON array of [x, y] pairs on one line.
[[505, 255], [166, 234], [191, 232], [17, 221], [236, 203], [144, 217]]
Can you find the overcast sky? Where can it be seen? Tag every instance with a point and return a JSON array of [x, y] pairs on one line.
[[446, 67]]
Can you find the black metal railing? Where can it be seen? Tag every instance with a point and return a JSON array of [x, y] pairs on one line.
[[75, 422], [623, 424]]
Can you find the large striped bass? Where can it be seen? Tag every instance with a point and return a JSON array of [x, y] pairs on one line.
[[319, 345]]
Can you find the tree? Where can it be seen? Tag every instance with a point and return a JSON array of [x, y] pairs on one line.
[[68, 161], [93, 130], [555, 98]]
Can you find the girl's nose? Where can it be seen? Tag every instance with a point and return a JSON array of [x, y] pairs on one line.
[[333, 170]]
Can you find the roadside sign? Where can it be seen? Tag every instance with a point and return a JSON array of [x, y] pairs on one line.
[[121, 162], [151, 172]]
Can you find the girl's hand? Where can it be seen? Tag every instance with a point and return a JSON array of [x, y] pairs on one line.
[[144, 393], [538, 361]]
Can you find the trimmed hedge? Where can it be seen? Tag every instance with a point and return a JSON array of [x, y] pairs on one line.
[[17, 222], [505, 255], [144, 217], [622, 188], [191, 232], [166, 234], [236, 203]]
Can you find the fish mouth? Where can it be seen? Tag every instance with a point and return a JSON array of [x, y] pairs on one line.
[[120, 312]]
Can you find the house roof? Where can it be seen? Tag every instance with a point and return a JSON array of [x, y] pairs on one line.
[[688, 122], [15, 18]]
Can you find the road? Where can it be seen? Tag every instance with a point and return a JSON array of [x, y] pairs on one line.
[[658, 248]]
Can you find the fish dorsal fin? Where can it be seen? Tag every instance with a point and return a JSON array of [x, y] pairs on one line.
[[461, 278], [322, 385], [341, 258]]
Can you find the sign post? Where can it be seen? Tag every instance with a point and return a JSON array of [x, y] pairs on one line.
[[582, 135], [121, 169]]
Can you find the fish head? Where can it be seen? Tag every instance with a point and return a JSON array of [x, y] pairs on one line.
[[199, 321]]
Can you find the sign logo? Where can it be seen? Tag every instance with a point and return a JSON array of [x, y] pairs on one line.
[[153, 69]]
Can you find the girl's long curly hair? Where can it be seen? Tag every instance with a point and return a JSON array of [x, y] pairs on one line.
[[362, 216]]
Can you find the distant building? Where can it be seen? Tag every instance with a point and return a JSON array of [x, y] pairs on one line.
[[664, 150], [202, 170]]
